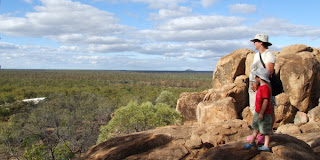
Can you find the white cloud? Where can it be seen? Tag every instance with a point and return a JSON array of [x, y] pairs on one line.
[[232, 32], [196, 28], [243, 8], [200, 22], [161, 3], [276, 26], [61, 17], [111, 48], [208, 3], [28, 1], [160, 48], [69, 49], [8, 46], [219, 46], [168, 13]]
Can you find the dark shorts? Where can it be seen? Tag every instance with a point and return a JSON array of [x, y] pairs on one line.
[[263, 126]]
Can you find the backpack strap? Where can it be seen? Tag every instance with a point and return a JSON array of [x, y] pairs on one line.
[[262, 60]]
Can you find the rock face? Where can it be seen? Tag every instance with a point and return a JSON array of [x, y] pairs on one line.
[[314, 114], [187, 104], [218, 111], [299, 82], [237, 90], [229, 67]]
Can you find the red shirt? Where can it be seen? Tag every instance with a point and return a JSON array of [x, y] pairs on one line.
[[263, 92]]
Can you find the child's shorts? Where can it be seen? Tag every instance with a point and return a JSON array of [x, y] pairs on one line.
[[263, 126]]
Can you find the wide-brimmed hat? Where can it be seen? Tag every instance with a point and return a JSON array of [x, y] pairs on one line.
[[262, 73], [263, 38]]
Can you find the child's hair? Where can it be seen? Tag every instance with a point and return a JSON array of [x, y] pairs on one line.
[[262, 79]]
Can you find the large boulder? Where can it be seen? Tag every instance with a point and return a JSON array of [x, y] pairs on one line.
[[313, 140], [289, 129], [300, 118], [310, 127], [247, 115], [162, 143], [284, 111], [216, 111], [218, 133], [298, 82], [237, 90], [229, 67], [187, 104], [293, 49], [314, 114]]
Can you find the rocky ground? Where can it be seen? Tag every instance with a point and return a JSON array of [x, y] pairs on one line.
[[211, 141]]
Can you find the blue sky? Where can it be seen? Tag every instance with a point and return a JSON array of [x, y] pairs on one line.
[[146, 34]]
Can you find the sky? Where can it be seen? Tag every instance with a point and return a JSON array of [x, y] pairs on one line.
[[163, 35]]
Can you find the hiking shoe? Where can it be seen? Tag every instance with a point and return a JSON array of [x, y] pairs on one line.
[[264, 148], [248, 145]]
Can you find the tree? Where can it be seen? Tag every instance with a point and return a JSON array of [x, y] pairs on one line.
[[167, 98], [61, 120], [135, 118], [11, 136]]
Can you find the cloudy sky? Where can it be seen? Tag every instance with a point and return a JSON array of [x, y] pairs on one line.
[[146, 34]]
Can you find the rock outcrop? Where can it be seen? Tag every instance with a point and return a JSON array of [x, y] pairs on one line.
[[210, 141], [223, 119], [171, 142], [299, 70]]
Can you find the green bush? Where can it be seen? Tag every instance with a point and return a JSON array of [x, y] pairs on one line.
[[167, 98], [63, 152], [36, 152], [135, 118]]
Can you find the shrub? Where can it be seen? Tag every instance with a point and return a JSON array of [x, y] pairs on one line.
[[36, 152], [135, 118], [167, 98]]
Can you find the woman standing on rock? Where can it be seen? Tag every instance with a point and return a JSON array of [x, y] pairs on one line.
[[264, 58]]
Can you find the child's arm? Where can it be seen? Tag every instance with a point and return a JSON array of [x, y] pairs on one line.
[[263, 108]]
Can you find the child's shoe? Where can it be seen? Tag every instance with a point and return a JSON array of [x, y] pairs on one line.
[[264, 148], [248, 145]]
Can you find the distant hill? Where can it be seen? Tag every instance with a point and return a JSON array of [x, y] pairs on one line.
[[189, 70]]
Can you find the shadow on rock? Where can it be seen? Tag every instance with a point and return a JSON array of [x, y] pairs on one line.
[[125, 146], [283, 147]]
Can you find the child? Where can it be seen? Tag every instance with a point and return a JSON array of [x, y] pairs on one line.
[[262, 118]]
